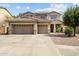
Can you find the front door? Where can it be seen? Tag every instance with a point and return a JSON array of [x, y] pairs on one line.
[[51, 27]]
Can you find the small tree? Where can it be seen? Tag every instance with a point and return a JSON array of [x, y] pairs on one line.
[[71, 17]]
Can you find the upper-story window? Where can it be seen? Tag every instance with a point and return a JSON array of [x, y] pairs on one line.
[[43, 16], [53, 17]]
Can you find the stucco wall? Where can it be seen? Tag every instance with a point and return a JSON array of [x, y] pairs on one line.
[[77, 30]]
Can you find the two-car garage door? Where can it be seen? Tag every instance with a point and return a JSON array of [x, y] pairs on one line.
[[23, 29]]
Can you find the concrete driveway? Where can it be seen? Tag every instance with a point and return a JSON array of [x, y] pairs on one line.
[[33, 45]]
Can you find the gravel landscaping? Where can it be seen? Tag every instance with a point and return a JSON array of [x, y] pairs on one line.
[[61, 39]]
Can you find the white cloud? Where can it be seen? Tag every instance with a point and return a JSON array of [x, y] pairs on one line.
[[43, 10], [53, 7], [4, 5], [27, 7], [22, 8], [58, 7], [18, 7], [38, 10], [75, 3]]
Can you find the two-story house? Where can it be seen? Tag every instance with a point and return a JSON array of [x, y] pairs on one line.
[[35, 23]]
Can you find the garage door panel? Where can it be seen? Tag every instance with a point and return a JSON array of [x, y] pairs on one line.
[[42, 29], [23, 29]]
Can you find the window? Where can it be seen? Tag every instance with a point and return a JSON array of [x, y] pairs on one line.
[[31, 15], [43, 16], [53, 16]]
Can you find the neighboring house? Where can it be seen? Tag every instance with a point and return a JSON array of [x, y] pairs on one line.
[[4, 15], [35, 23]]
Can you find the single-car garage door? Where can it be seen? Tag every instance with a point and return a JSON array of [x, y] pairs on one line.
[[42, 29], [23, 29]]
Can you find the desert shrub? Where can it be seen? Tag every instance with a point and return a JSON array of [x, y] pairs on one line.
[[58, 28], [68, 31]]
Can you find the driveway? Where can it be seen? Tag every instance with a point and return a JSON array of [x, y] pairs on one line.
[[33, 45]]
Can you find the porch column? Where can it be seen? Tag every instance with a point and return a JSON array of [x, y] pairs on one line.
[[35, 28], [63, 29], [48, 28], [10, 29], [54, 28], [6, 29]]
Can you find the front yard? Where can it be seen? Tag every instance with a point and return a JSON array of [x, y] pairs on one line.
[[60, 39]]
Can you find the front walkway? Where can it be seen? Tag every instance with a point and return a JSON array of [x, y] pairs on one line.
[[33, 45]]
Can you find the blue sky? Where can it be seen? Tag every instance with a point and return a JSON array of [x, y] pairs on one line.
[[16, 8]]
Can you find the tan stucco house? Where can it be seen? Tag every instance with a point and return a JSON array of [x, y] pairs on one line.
[[4, 15], [35, 23], [30, 23]]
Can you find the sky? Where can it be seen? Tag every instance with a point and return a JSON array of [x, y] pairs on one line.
[[16, 8]]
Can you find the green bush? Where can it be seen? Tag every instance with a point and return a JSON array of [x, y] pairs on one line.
[[58, 29], [68, 31]]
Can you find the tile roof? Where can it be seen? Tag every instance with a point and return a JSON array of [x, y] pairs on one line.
[[28, 20]]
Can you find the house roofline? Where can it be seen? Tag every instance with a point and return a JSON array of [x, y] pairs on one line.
[[6, 10], [28, 20]]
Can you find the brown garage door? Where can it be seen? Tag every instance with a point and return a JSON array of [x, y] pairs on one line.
[[42, 29], [23, 29]]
